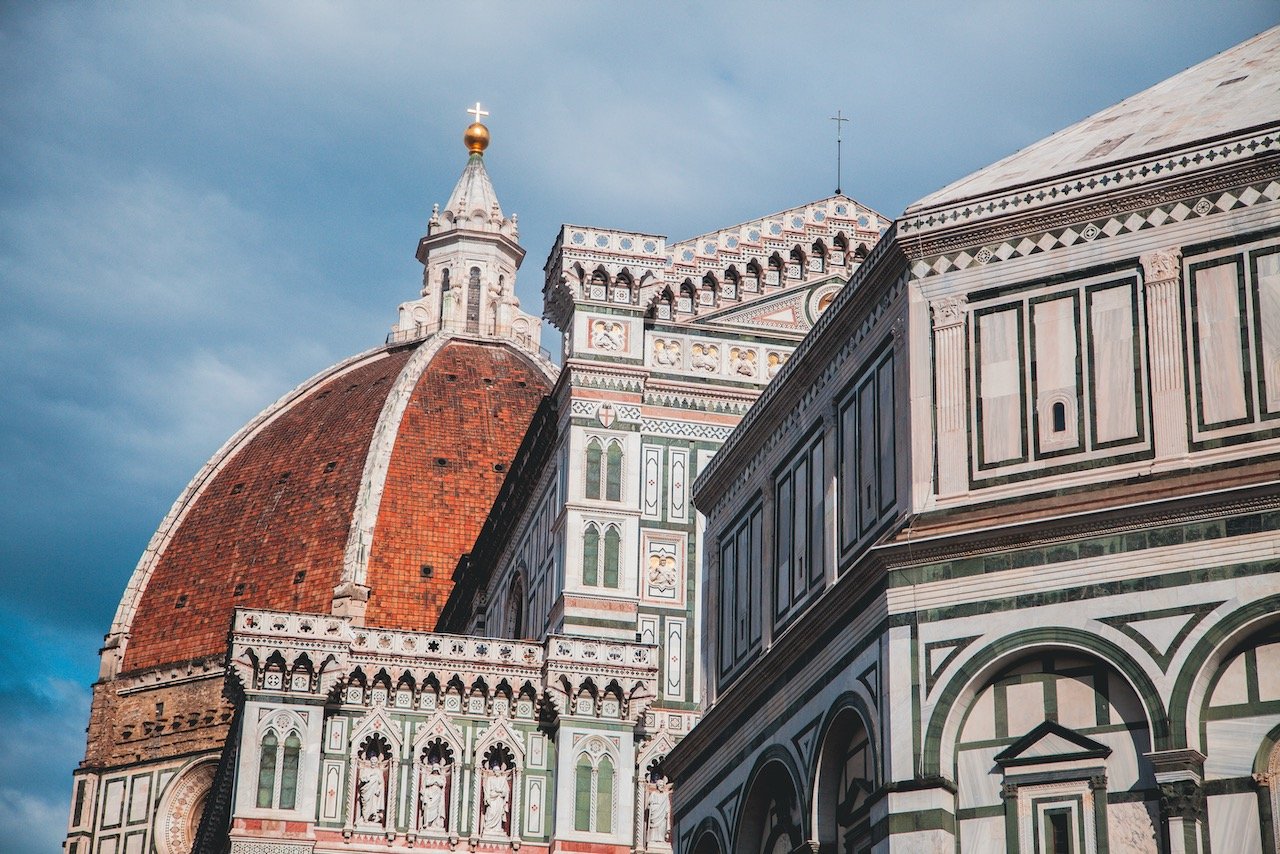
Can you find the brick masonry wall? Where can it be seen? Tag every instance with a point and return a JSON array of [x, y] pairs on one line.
[[459, 433], [132, 728]]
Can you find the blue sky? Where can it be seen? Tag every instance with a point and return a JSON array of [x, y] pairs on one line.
[[201, 205]]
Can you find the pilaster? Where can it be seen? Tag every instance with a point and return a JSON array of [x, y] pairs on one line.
[[949, 361], [1162, 272]]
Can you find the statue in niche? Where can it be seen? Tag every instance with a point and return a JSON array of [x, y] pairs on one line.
[[495, 790], [657, 812], [432, 807], [705, 357], [371, 783]]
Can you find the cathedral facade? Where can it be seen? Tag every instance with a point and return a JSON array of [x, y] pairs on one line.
[[539, 519], [992, 566]]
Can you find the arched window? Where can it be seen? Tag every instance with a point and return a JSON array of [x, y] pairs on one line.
[[594, 454], [267, 770], [612, 547], [604, 470], [593, 785], [591, 556], [613, 473], [600, 566], [1059, 417], [473, 301], [754, 276], [278, 771], [289, 773]]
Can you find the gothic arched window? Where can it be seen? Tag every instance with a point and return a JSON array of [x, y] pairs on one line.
[[267, 770], [591, 556], [595, 454], [278, 771], [600, 565], [593, 784], [613, 472], [612, 548]]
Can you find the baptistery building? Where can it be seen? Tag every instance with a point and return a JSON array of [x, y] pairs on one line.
[[992, 566]]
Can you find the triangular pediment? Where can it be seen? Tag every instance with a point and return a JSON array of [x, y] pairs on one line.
[[1050, 742]]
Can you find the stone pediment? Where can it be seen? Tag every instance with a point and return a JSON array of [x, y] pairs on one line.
[[1050, 742]]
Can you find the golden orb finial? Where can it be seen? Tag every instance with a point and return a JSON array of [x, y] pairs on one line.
[[476, 136]]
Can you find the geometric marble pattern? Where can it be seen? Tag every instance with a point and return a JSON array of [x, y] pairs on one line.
[[1099, 229], [1161, 633]]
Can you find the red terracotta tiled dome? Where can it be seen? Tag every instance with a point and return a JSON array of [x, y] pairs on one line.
[[379, 470]]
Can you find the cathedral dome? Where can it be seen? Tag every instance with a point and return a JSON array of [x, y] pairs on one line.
[[359, 490]]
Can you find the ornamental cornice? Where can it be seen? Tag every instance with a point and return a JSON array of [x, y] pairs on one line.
[[1222, 154], [268, 649], [1109, 218], [1047, 532]]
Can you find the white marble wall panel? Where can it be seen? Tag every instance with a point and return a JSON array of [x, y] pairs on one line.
[[1055, 356], [1077, 702], [979, 786], [1234, 825], [139, 797], [1231, 745], [133, 843], [1218, 344], [1131, 828], [1112, 333], [651, 481], [1268, 656], [1000, 385], [1122, 765], [982, 834], [1267, 281], [113, 803], [109, 846], [1025, 706], [1233, 685], [678, 481]]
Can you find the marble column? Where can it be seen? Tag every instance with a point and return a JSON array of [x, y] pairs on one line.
[[951, 401], [1180, 775], [1162, 274]]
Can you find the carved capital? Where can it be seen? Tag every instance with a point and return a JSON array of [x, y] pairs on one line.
[[1163, 265], [1263, 780], [1182, 799], [1098, 782], [1009, 791], [949, 311]]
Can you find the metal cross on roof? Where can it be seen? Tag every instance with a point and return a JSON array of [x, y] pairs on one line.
[[839, 119], [477, 112]]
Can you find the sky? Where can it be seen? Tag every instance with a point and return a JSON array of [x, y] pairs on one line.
[[203, 204]]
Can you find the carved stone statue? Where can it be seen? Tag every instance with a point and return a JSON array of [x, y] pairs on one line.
[[371, 788], [431, 796], [495, 790], [658, 809]]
